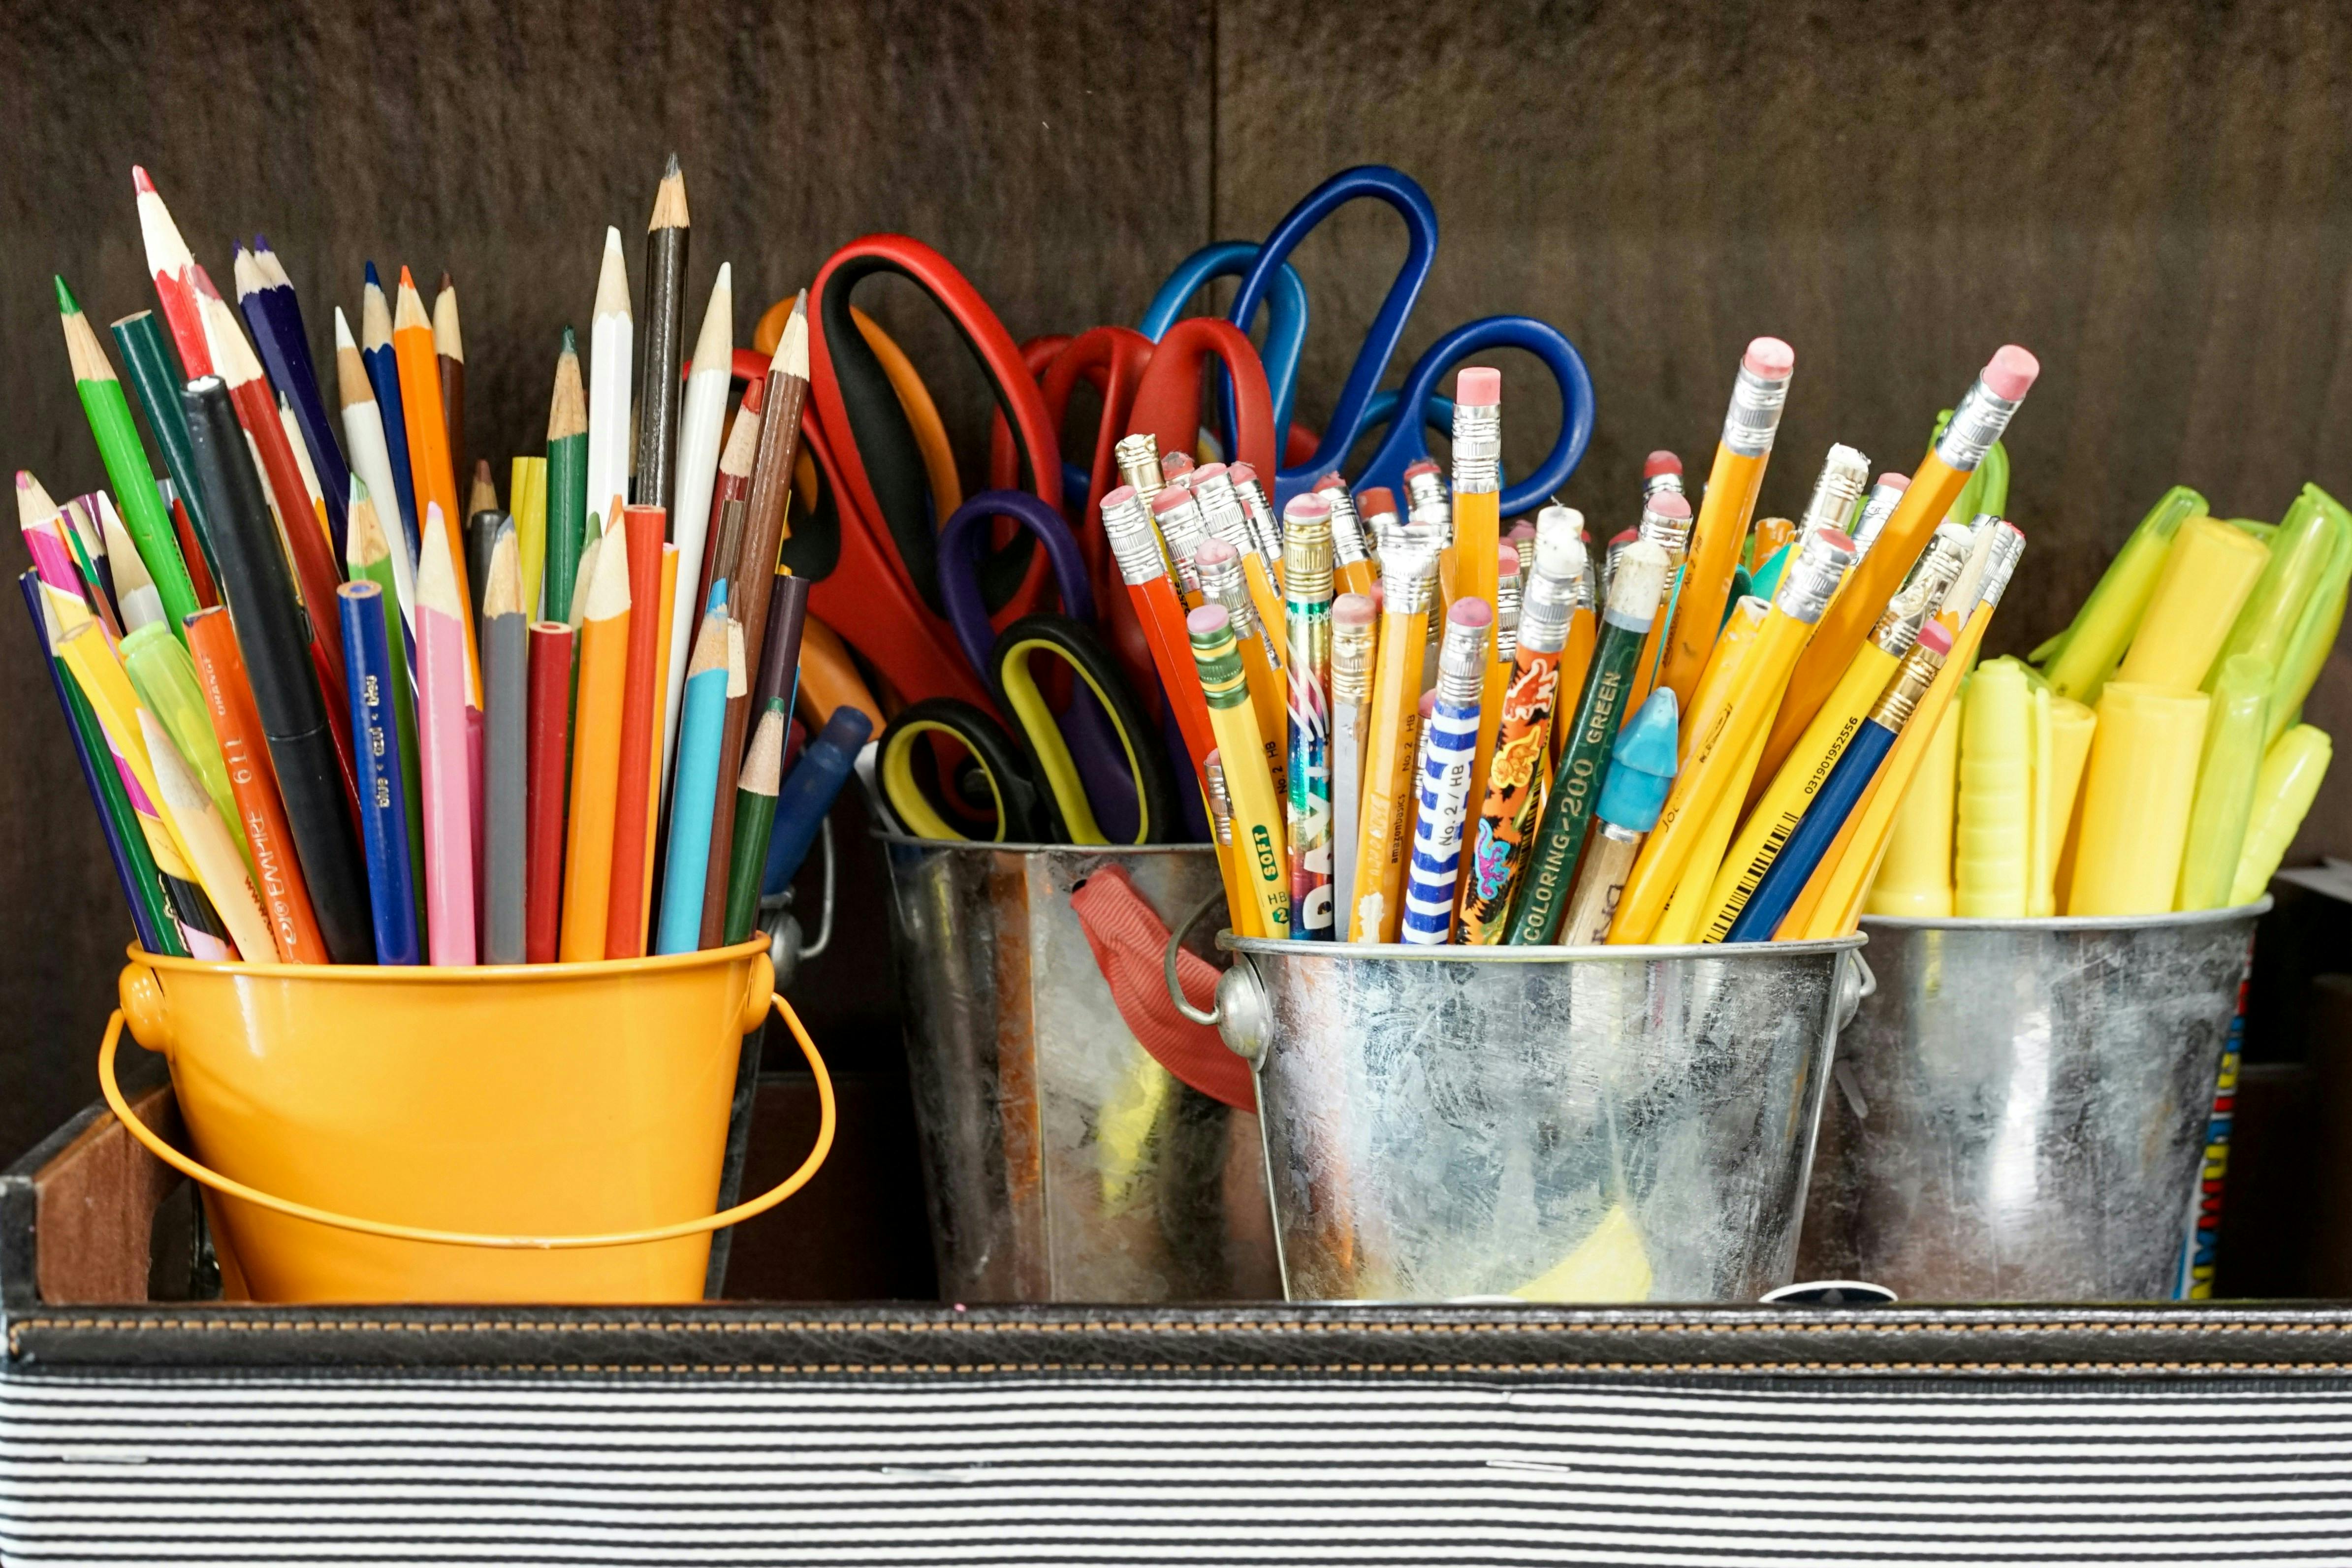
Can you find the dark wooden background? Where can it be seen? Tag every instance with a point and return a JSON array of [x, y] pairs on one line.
[[2152, 196]]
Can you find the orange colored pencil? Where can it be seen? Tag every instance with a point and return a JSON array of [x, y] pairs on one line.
[[220, 674], [604, 644], [665, 596], [429, 466], [625, 917]]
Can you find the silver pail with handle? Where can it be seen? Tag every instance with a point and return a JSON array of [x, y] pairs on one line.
[[1063, 1160], [1555, 1124], [2019, 1112]]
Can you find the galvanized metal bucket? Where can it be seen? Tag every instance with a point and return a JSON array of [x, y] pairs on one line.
[[1555, 1124], [2019, 1112], [1063, 1163]]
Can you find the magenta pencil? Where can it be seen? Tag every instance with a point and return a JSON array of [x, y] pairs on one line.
[[443, 685]]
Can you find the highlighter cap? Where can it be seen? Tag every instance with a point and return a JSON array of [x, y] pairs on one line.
[[1642, 769]]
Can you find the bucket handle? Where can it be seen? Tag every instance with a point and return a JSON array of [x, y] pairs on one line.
[[236, 1189], [1208, 1020]]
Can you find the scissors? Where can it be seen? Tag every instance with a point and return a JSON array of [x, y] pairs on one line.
[[1040, 788], [1286, 331], [869, 545], [1361, 409]]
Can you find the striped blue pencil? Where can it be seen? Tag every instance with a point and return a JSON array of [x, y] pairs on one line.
[[1451, 739], [702, 724], [384, 807], [383, 374]]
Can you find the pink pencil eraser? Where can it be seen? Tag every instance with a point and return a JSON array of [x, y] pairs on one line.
[[1311, 507], [1208, 618], [1658, 463], [1208, 471], [1175, 463], [1471, 613], [1376, 500], [1671, 504], [1935, 638], [1331, 481], [1240, 473], [1480, 386], [1352, 610], [1770, 358], [1837, 539], [1215, 552], [1428, 703], [1172, 498], [1507, 560], [1894, 481], [1426, 465], [2011, 371], [1117, 498]]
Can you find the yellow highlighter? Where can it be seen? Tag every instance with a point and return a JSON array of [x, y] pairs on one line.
[[2135, 799], [1991, 848], [1916, 878], [2072, 725], [2292, 770], [2080, 659], [2041, 845], [1781, 803], [1720, 736], [1259, 851], [2208, 572], [2226, 775]]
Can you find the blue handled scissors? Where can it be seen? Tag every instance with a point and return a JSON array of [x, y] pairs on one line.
[[1286, 331], [1361, 407], [1108, 777]]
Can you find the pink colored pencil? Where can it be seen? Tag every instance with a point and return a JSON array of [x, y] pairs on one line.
[[443, 685]]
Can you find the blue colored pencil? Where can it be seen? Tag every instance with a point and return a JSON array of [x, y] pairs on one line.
[[375, 741], [1450, 739], [265, 296], [81, 724], [702, 725], [383, 374]]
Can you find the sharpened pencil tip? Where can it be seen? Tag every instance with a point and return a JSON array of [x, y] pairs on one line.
[[67, 304], [373, 281], [139, 182], [570, 342], [669, 170], [407, 284]]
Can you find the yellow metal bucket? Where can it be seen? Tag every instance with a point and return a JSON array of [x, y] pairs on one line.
[[545, 1132]]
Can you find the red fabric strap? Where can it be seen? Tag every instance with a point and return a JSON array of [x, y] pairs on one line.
[[1130, 943]]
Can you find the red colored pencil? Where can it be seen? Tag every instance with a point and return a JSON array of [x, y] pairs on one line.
[[734, 483], [199, 576], [170, 263], [624, 910], [550, 747]]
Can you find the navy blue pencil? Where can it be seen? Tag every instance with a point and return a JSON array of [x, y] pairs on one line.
[[1775, 895], [383, 374], [265, 295], [384, 807]]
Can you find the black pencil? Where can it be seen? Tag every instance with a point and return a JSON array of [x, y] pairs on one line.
[[259, 588], [658, 393]]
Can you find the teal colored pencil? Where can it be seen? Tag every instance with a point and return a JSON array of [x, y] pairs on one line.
[[701, 726]]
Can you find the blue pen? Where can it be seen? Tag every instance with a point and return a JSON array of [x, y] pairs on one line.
[[375, 745], [383, 374], [809, 792], [702, 723], [1770, 904]]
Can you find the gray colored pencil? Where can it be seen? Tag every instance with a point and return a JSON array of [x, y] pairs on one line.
[[505, 760]]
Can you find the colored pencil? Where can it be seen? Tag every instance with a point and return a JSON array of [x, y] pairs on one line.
[[134, 865], [567, 481], [624, 920], [697, 786], [164, 678], [319, 795], [198, 828], [724, 537], [706, 383], [373, 559], [428, 452], [383, 365], [527, 498], [603, 661], [170, 265], [109, 414], [135, 596], [1512, 789], [450, 362], [667, 232], [447, 773], [664, 594], [755, 818], [777, 680], [371, 467], [229, 700], [551, 705], [753, 575], [506, 688], [483, 527], [193, 553], [266, 297], [154, 373], [370, 651], [611, 334], [1307, 670]]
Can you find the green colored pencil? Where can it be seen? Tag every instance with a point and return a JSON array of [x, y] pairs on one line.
[[755, 819], [567, 480], [109, 413], [155, 376]]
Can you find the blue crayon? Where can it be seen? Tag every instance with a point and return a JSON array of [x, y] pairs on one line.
[[384, 805]]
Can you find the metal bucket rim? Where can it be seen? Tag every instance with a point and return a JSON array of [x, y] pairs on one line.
[[1284, 947], [2175, 919], [993, 846]]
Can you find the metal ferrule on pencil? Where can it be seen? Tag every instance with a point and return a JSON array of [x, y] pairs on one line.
[[1138, 457], [1671, 535], [1658, 484], [1222, 584], [1461, 665], [1219, 660], [2008, 546], [1922, 594], [1263, 526], [1220, 801], [1876, 508], [1544, 612], [1896, 704], [1221, 509], [1184, 528], [1477, 447], [1838, 492], [1812, 578], [1428, 504], [1976, 425], [1306, 559], [1347, 528], [1351, 662], [1127, 524], [1507, 618], [1754, 417], [1405, 584]]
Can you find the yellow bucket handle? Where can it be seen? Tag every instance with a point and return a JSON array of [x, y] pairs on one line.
[[236, 1189]]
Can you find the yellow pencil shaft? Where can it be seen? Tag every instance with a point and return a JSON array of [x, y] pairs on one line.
[[1718, 532], [1990, 848], [99, 673], [1684, 919], [1266, 597], [1353, 577], [1715, 745], [1916, 878], [1478, 536], [1575, 664], [1267, 701], [1784, 801], [1260, 859], [1376, 903]]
